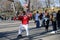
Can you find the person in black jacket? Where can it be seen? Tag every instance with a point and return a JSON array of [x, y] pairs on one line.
[[53, 19], [41, 19], [58, 19], [46, 20]]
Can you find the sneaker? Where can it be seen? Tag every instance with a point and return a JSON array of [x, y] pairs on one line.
[[53, 32], [19, 36]]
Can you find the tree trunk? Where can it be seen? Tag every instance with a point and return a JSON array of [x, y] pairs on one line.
[[29, 5]]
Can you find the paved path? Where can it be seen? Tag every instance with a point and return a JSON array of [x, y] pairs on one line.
[[9, 31], [12, 25]]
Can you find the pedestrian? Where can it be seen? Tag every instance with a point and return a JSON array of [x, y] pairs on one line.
[[46, 20], [58, 19], [41, 19], [53, 19], [37, 19], [25, 21]]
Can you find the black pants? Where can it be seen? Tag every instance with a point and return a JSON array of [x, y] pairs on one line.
[[37, 24], [46, 23], [54, 25], [58, 24]]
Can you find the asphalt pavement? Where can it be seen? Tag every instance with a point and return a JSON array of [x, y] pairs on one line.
[[9, 31]]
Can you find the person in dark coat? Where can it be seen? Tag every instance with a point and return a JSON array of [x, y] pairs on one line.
[[41, 19], [53, 19], [46, 20], [58, 19]]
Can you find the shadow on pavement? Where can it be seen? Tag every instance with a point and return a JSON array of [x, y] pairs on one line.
[[31, 37], [35, 36], [6, 34]]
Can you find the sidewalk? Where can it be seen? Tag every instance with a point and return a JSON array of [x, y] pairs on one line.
[[13, 25], [35, 34], [11, 31], [11, 22]]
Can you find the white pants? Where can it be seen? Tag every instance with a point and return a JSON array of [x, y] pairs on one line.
[[41, 22], [23, 26]]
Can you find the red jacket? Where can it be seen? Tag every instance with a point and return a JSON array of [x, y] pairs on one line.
[[24, 19]]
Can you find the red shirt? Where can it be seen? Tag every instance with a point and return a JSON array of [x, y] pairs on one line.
[[24, 19]]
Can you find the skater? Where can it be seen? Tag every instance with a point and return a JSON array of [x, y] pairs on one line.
[[25, 21]]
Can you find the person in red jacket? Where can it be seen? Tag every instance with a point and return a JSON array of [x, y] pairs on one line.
[[25, 21]]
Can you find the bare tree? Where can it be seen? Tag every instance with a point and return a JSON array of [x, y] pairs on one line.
[[47, 3], [28, 5], [13, 5], [59, 2]]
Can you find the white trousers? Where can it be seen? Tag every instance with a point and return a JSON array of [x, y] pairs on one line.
[[41, 22], [25, 27]]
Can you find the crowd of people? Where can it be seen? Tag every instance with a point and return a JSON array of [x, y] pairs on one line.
[[45, 18], [40, 19]]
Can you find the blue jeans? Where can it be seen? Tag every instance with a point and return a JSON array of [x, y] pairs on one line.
[[37, 24]]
